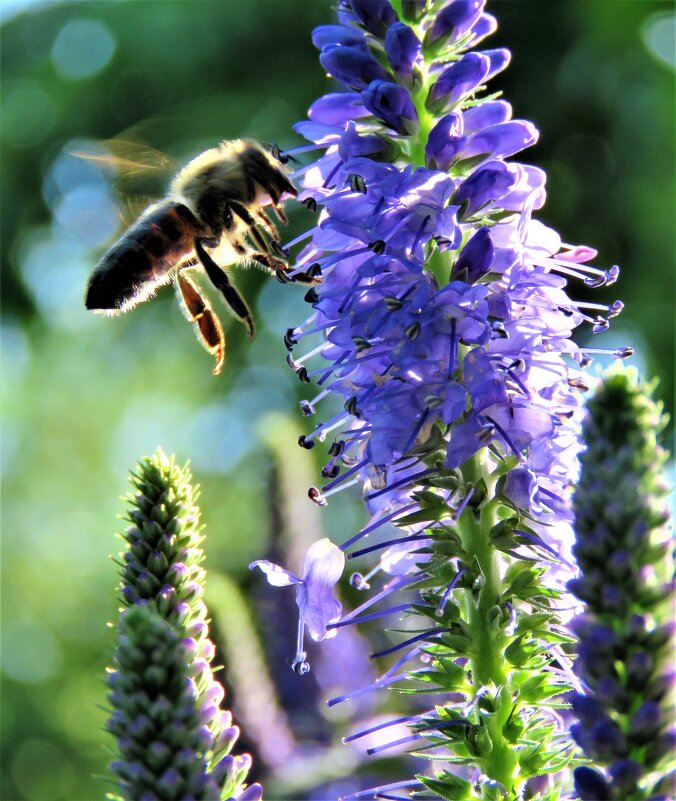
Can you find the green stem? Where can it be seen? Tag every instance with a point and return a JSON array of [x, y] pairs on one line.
[[487, 661]]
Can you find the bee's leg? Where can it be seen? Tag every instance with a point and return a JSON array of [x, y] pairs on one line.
[[279, 212], [266, 223], [246, 217], [208, 324], [221, 281]]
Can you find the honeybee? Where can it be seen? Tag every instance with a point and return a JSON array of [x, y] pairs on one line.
[[218, 202]]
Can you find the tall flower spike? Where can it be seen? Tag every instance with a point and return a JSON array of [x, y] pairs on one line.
[[441, 322], [162, 569], [626, 715]]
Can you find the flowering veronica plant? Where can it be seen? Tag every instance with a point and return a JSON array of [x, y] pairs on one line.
[[441, 322]]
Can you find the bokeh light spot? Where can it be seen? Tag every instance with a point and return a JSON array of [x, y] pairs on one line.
[[82, 48], [54, 268], [659, 36], [22, 125], [55, 779], [30, 653]]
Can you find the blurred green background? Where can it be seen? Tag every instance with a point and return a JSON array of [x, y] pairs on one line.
[[85, 396]]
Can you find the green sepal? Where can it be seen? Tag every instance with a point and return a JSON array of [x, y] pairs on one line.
[[450, 786]]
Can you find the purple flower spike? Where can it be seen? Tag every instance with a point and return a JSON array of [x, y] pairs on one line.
[[403, 48], [317, 607], [393, 105], [352, 65]]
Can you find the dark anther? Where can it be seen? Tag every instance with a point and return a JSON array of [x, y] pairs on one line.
[[358, 581], [330, 470], [337, 447], [393, 303], [311, 204], [283, 277], [308, 444], [566, 311], [578, 383], [377, 247], [615, 309], [585, 361], [351, 406], [302, 375], [292, 364], [442, 240], [279, 250], [311, 296], [289, 340], [413, 330], [357, 184], [361, 344], [498, 328], [316, 497], [600, 325], [277, 154], [314, 271], [623, 353], [306, 408]]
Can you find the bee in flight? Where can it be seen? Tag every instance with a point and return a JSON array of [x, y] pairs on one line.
[[219, 202]]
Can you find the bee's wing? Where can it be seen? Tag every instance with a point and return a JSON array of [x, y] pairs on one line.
[[127, 157], [139, 171]]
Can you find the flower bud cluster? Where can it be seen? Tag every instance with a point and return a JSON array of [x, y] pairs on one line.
[[162, 571], [625, 719]]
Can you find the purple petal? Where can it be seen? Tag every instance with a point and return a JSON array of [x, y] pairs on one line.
[[445, 141], [375, 15], [402, 47], [276, 575], [338, 34], [392, 104], [324, 565], [336, 108], [457, 81], [453, 21], [351, 65], [501, 140]]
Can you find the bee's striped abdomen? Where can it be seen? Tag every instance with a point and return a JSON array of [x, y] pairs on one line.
[[143, 257]]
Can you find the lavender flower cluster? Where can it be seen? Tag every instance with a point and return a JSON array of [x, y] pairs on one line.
[[442, 304], [441, 320]]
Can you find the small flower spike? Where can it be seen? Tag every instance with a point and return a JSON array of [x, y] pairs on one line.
[[626, 713], [162, 574]]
